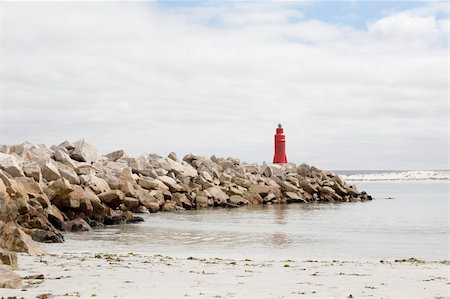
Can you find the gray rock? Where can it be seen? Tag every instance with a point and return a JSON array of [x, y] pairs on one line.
[[308, 187], [112, 198], [202, 200], [11, 164], [67, 145], [8, 258], [49, 170], [9, 279], [182, 200], [32, 170], [68, 173], [266, 170], [251, 168], [171, 183], [30, 185], [238, 200], [262, 190], [59, 188], [131, 203], [206, 176], [83, 152], [55, 216], [64, 158], [150, 204], [96, 184], [77, 225], [181, 168], [339, 189], [217, 194], [13, 238], [294, 196], [173, 156], [152, 184], [114, 156], [286, 186], [168, 206]]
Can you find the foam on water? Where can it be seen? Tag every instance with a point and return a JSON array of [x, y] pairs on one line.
[[414, 175]]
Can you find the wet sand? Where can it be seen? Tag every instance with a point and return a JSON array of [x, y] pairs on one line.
[[101, 275]]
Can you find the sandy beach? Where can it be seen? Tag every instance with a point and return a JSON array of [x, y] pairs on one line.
[[131, 275]]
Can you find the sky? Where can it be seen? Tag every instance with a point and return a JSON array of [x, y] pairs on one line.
[[356, 84]]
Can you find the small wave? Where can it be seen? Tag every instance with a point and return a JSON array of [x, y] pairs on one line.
[[415, 175]]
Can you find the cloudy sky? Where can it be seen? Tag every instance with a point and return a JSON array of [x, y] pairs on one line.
[[357, 85]]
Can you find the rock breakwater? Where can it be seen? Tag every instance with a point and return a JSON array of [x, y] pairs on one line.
[[70, 187]]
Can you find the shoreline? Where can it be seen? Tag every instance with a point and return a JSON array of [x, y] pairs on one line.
[[104, 275]]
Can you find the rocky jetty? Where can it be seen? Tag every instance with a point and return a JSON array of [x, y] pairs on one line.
[[70, 187]]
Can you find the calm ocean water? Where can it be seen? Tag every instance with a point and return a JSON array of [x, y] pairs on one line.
[[404, 220]]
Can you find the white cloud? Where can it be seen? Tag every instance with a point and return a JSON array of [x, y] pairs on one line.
[[135, 76]]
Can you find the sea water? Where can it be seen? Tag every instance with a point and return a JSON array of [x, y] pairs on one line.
[[405, 219]]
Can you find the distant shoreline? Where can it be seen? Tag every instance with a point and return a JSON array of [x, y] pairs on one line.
[[412, 175]]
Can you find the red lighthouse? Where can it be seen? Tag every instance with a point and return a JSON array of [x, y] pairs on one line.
[[280, 146]]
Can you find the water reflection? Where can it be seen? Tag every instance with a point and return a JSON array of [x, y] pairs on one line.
[[280, 214], [281, 240]]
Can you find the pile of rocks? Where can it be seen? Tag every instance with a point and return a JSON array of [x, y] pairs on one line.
[[69, 187]]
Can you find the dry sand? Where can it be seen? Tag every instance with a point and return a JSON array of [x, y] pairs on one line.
[[88, 275]]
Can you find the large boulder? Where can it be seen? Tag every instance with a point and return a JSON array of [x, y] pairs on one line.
[[252, 197], [8, 258], [114, 156], [59, 192], [13, 238], [32, 170], [9, 279], [131, 203], [84, 152], [14, 188], [49, 170], [327, 193], [339, 189], [150, 203], [128, 189], [31, 187], [64, 158], [217, 194], [99, 208], [76, 225], [171, 183], [55, 216], [182, 200], [139, 165], [11, 164], [78, 199], [262, 190], [68, 173], [169, 206], [308, 187], [303, 170], [75, 200], [96, 184], [46, 235], [152, 184], [294, 197], [238, 200], [181, 168], [8, 208], [67, 145], [202, 200], [112, 198]]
